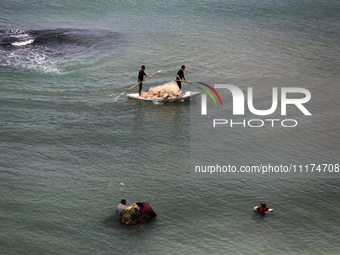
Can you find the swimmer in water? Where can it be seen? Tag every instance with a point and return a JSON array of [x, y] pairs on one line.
[[121, 206], [262, 209]]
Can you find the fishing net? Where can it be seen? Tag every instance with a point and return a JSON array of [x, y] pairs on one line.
[[169, 89], [133, 214]]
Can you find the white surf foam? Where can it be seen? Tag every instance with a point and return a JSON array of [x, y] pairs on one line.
[[23, 43]]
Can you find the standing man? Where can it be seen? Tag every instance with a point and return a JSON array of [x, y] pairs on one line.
[[180, 77], [141, 77]]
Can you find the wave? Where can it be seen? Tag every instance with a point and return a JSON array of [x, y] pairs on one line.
[[58, 38], [23, 43], [38, 48]]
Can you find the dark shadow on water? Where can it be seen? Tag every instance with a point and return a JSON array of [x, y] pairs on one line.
[[259, 217], [113, 221], [59, 41]]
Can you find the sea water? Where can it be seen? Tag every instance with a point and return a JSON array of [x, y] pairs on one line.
[[66, 144]]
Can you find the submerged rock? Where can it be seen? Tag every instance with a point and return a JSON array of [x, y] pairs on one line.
[[137, 213]]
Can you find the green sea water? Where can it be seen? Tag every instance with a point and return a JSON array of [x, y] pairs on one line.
[[66, 144]]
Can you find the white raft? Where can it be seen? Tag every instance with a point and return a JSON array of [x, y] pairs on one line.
[[186, 96]]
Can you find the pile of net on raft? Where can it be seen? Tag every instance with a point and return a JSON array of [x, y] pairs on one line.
[[169, 89], [137, 213]]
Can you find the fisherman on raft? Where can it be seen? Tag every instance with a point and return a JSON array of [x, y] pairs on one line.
[[180, 77], [141, 75]]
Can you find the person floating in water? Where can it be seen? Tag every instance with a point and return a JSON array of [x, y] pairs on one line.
[[121, 206], [180, 77], [141, 75], [262, 209]]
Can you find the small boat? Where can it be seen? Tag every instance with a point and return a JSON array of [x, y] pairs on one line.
[[186, 96]]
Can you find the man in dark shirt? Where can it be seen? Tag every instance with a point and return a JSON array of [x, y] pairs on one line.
[[141, 77], [180, 76], [262, 209]]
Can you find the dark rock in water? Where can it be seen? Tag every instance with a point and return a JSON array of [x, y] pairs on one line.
[[137, 213]]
